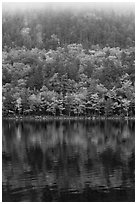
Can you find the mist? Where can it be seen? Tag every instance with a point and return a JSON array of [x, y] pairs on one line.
[[117, 7]]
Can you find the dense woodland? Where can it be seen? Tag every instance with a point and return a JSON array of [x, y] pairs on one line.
[[68, 63]]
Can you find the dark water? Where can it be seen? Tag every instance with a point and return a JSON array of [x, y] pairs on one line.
[[68, 161]]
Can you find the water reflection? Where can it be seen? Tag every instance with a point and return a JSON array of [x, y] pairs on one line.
[[68, 161]]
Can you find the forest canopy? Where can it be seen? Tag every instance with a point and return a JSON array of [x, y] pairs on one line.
[[68, 62]]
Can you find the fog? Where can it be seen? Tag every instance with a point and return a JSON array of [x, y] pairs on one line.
[[118, 7]]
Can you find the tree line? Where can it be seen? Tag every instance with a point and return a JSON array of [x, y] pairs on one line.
[[70, 81], [74, 63]]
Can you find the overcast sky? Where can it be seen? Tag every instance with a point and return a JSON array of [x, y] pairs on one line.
[[116, 6]]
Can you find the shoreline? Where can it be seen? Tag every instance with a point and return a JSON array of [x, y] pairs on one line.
[[49, 118]]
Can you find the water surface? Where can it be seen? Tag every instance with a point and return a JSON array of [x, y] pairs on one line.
[[68, 161]]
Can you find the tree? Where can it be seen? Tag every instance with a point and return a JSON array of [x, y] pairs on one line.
[[34, 101], [18, 105], [68, 101], [126, 105]]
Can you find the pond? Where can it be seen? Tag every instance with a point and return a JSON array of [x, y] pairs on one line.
[[68, 161]]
